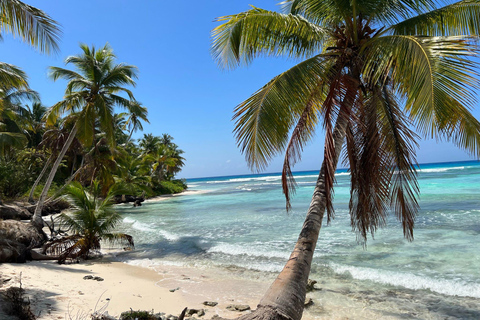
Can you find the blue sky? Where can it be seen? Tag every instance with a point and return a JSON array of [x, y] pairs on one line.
[[187, 95]]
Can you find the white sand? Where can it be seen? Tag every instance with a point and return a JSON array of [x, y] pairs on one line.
[[60, 292]]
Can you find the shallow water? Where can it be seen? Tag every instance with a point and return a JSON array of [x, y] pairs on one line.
[[241, 223]]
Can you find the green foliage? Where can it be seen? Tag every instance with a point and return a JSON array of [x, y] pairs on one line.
[[101, 149], [170, 187], [19, 171], [137, 315], [373, 70], [92, 219], [15, 179]]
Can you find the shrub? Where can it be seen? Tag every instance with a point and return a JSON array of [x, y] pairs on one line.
[[169, 187], [137, 315]]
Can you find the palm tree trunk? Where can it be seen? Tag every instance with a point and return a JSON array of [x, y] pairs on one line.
[[37, 220], [286, 296], [67, 182], [40, 176], [285, 299]]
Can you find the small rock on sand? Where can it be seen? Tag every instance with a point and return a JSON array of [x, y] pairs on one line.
[[308, 302], [238, 307]]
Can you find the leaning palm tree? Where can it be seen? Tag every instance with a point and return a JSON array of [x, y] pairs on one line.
[[91, 93], [91, 221], [371, 70]]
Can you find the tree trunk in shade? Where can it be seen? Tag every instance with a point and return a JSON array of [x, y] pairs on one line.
[[37, 220]]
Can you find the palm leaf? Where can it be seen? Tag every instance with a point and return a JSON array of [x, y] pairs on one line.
[[31, 24], [263, 121], [461, 18], [431, 73], [257, 32]]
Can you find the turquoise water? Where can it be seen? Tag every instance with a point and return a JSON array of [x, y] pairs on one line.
[[241, 222]]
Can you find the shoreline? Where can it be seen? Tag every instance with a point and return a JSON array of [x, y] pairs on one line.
[[60, 291], [164, 197]]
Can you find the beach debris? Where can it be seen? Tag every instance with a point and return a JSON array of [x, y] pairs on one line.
[[311, 285], [210, 303], [138, 314], [171, 317], [238, 307], [308, 302], [90, 277], [173, 290], [198, 312], [102, 316], [182, 315]]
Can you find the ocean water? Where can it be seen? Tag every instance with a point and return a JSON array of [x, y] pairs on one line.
[[240, 222]]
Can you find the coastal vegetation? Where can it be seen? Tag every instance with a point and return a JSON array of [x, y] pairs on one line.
[[91, 220], [371, 71], [79, 143]]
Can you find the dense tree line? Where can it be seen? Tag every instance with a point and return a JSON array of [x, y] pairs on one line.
[[81, 138]]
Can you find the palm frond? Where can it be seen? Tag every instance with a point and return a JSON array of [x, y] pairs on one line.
[[12, 140], [31, 24], [458, 19], [335, 12], [400, 144], [302, 133], [120, 75], [370, 175], [263, 121], [257, 32], [430, 72], [12, 76], [120, 238]]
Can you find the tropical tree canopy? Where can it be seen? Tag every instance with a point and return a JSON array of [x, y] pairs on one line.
[[93, 90], [382, 68]]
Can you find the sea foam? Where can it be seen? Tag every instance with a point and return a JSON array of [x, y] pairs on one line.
[[411, 281]]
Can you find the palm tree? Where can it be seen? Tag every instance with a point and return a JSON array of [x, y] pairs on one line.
[[91, 93], [149, 143], [33, 123], [166, 139], [132, 175], [371, 69], [138, 113], [92, 220]]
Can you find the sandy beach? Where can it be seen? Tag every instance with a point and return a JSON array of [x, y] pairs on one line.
[[61, 292]]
